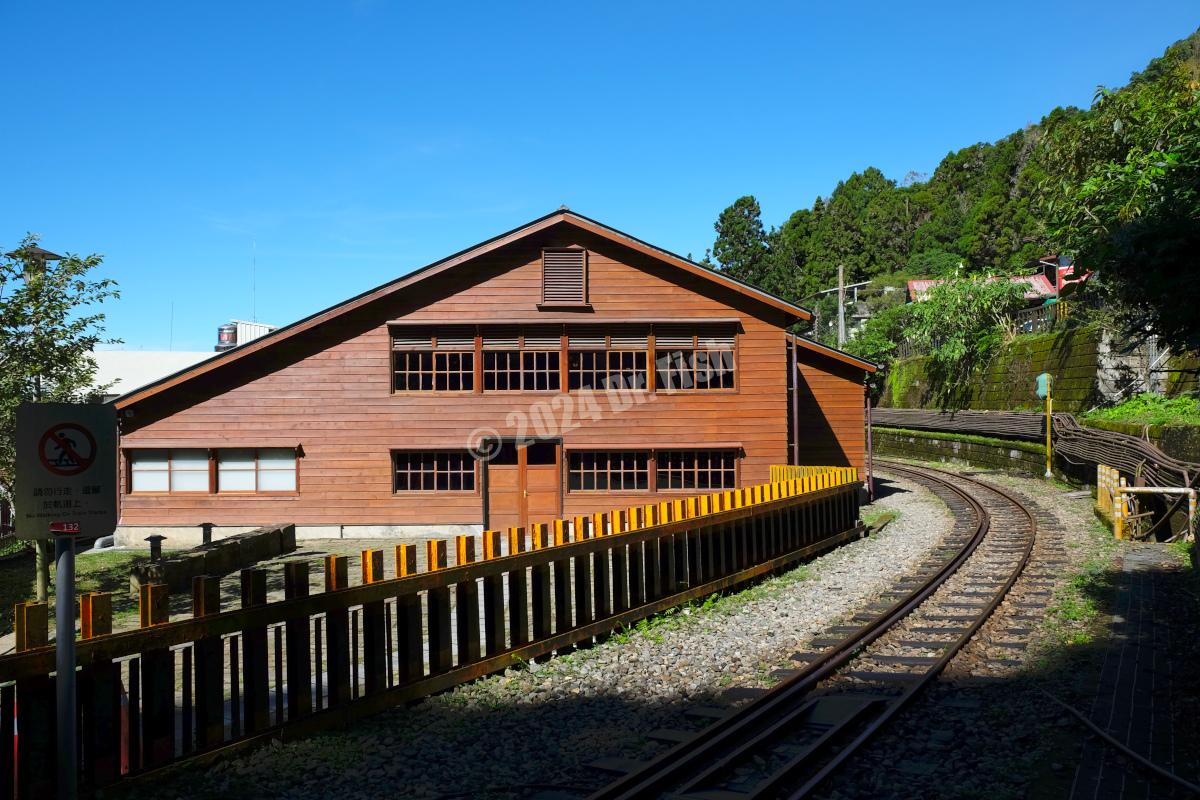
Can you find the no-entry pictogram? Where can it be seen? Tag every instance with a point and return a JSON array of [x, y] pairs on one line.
[[66, 469], [67, 449]]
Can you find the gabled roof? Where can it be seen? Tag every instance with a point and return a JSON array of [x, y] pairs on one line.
[[436, 268], [833, 352]]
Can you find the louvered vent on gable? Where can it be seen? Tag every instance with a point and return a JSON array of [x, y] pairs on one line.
[[564, 277]]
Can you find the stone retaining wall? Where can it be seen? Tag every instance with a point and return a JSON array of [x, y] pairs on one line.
[[976, 451], [1177, 441], [1007, 383]]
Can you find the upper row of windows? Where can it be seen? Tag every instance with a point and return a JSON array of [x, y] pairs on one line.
[[511, 361]]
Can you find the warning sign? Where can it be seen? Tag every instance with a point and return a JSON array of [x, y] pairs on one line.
[[67, 449], [66, 470]]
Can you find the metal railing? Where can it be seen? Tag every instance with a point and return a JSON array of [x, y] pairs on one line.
[[173, 691]]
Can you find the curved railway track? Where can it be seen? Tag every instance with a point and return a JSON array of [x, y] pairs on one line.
[[789, 741]]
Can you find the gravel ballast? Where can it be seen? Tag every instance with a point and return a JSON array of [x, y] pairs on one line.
[[541, 725]]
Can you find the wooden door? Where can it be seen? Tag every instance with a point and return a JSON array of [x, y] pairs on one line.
[[504, 488], [543, 495], [524, 484]]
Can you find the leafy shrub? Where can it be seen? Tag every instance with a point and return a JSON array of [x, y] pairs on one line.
[[1152, 409]]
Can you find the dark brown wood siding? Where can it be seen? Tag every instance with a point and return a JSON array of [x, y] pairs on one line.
[[831, 411], [328, 391]]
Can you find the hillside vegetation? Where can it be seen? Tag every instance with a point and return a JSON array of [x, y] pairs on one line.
[[1117, 186]]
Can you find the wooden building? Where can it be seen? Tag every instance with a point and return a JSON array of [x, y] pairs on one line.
[[595, 370]]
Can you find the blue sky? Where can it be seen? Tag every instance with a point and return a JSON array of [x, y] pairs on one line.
[[341, 144]]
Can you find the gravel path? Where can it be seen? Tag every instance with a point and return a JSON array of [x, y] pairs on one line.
[[542, 724]]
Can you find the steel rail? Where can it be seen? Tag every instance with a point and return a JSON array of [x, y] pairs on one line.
[[936, 669], [675, 765]]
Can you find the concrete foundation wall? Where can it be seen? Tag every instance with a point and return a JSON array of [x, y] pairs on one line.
[[184, 536]]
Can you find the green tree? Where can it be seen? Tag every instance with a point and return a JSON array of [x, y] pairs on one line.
[[959, 324], [48, 329], [741, 247], [1122, 194]]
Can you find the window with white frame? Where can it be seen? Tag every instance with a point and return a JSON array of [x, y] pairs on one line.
[[263, 469], [175, 470], [196, 470]]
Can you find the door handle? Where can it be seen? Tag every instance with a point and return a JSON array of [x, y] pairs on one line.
[[525, 492]]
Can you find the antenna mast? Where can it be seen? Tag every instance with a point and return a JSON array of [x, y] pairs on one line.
[[253, 280]]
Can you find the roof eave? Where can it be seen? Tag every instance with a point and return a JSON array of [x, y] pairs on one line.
[[833, 352], [528, 229]]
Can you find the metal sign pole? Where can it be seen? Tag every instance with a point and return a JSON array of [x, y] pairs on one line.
[[1049, 428], [64, 652]]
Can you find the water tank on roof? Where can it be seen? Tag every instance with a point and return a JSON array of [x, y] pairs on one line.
[[226, 337]]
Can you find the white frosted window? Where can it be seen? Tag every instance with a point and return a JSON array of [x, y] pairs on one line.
[[148, 470], [235, 470], [189, 470], [277, 469]]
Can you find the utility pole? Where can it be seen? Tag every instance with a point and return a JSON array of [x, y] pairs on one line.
[[841, 306]]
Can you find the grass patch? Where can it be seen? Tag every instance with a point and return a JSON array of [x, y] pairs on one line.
[[655, 626], [1184, 551], [878, 518], [1151, 409], [1075, 612]]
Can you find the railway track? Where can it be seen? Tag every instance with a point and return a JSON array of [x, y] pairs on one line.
[[789, 741]]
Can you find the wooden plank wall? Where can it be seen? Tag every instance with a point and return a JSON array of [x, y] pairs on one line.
[[330, 392], [832, 417]]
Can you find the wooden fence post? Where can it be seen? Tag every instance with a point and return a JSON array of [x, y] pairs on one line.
[[562, 580], [440, 647], [466, 594], [255, 672], [518, 592], [35, 709], [493, 596], [337, 632], [299, 644], [600, 568], [540, 586], [210, 665], [158, 681], [375, 655], [99, 697], [409, 637], [582, 573]]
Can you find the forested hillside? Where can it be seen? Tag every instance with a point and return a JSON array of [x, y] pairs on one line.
[[998, 207]]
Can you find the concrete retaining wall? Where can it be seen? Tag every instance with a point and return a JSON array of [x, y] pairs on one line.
[[975, 451], [230, 554], [185, 536]]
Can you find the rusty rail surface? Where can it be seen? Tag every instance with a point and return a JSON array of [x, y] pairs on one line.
[[197, 688]]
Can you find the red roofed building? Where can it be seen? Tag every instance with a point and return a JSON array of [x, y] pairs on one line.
[[1040, 287]]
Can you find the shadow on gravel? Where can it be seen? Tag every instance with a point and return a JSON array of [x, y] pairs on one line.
[[978, 733], [885, 487]]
